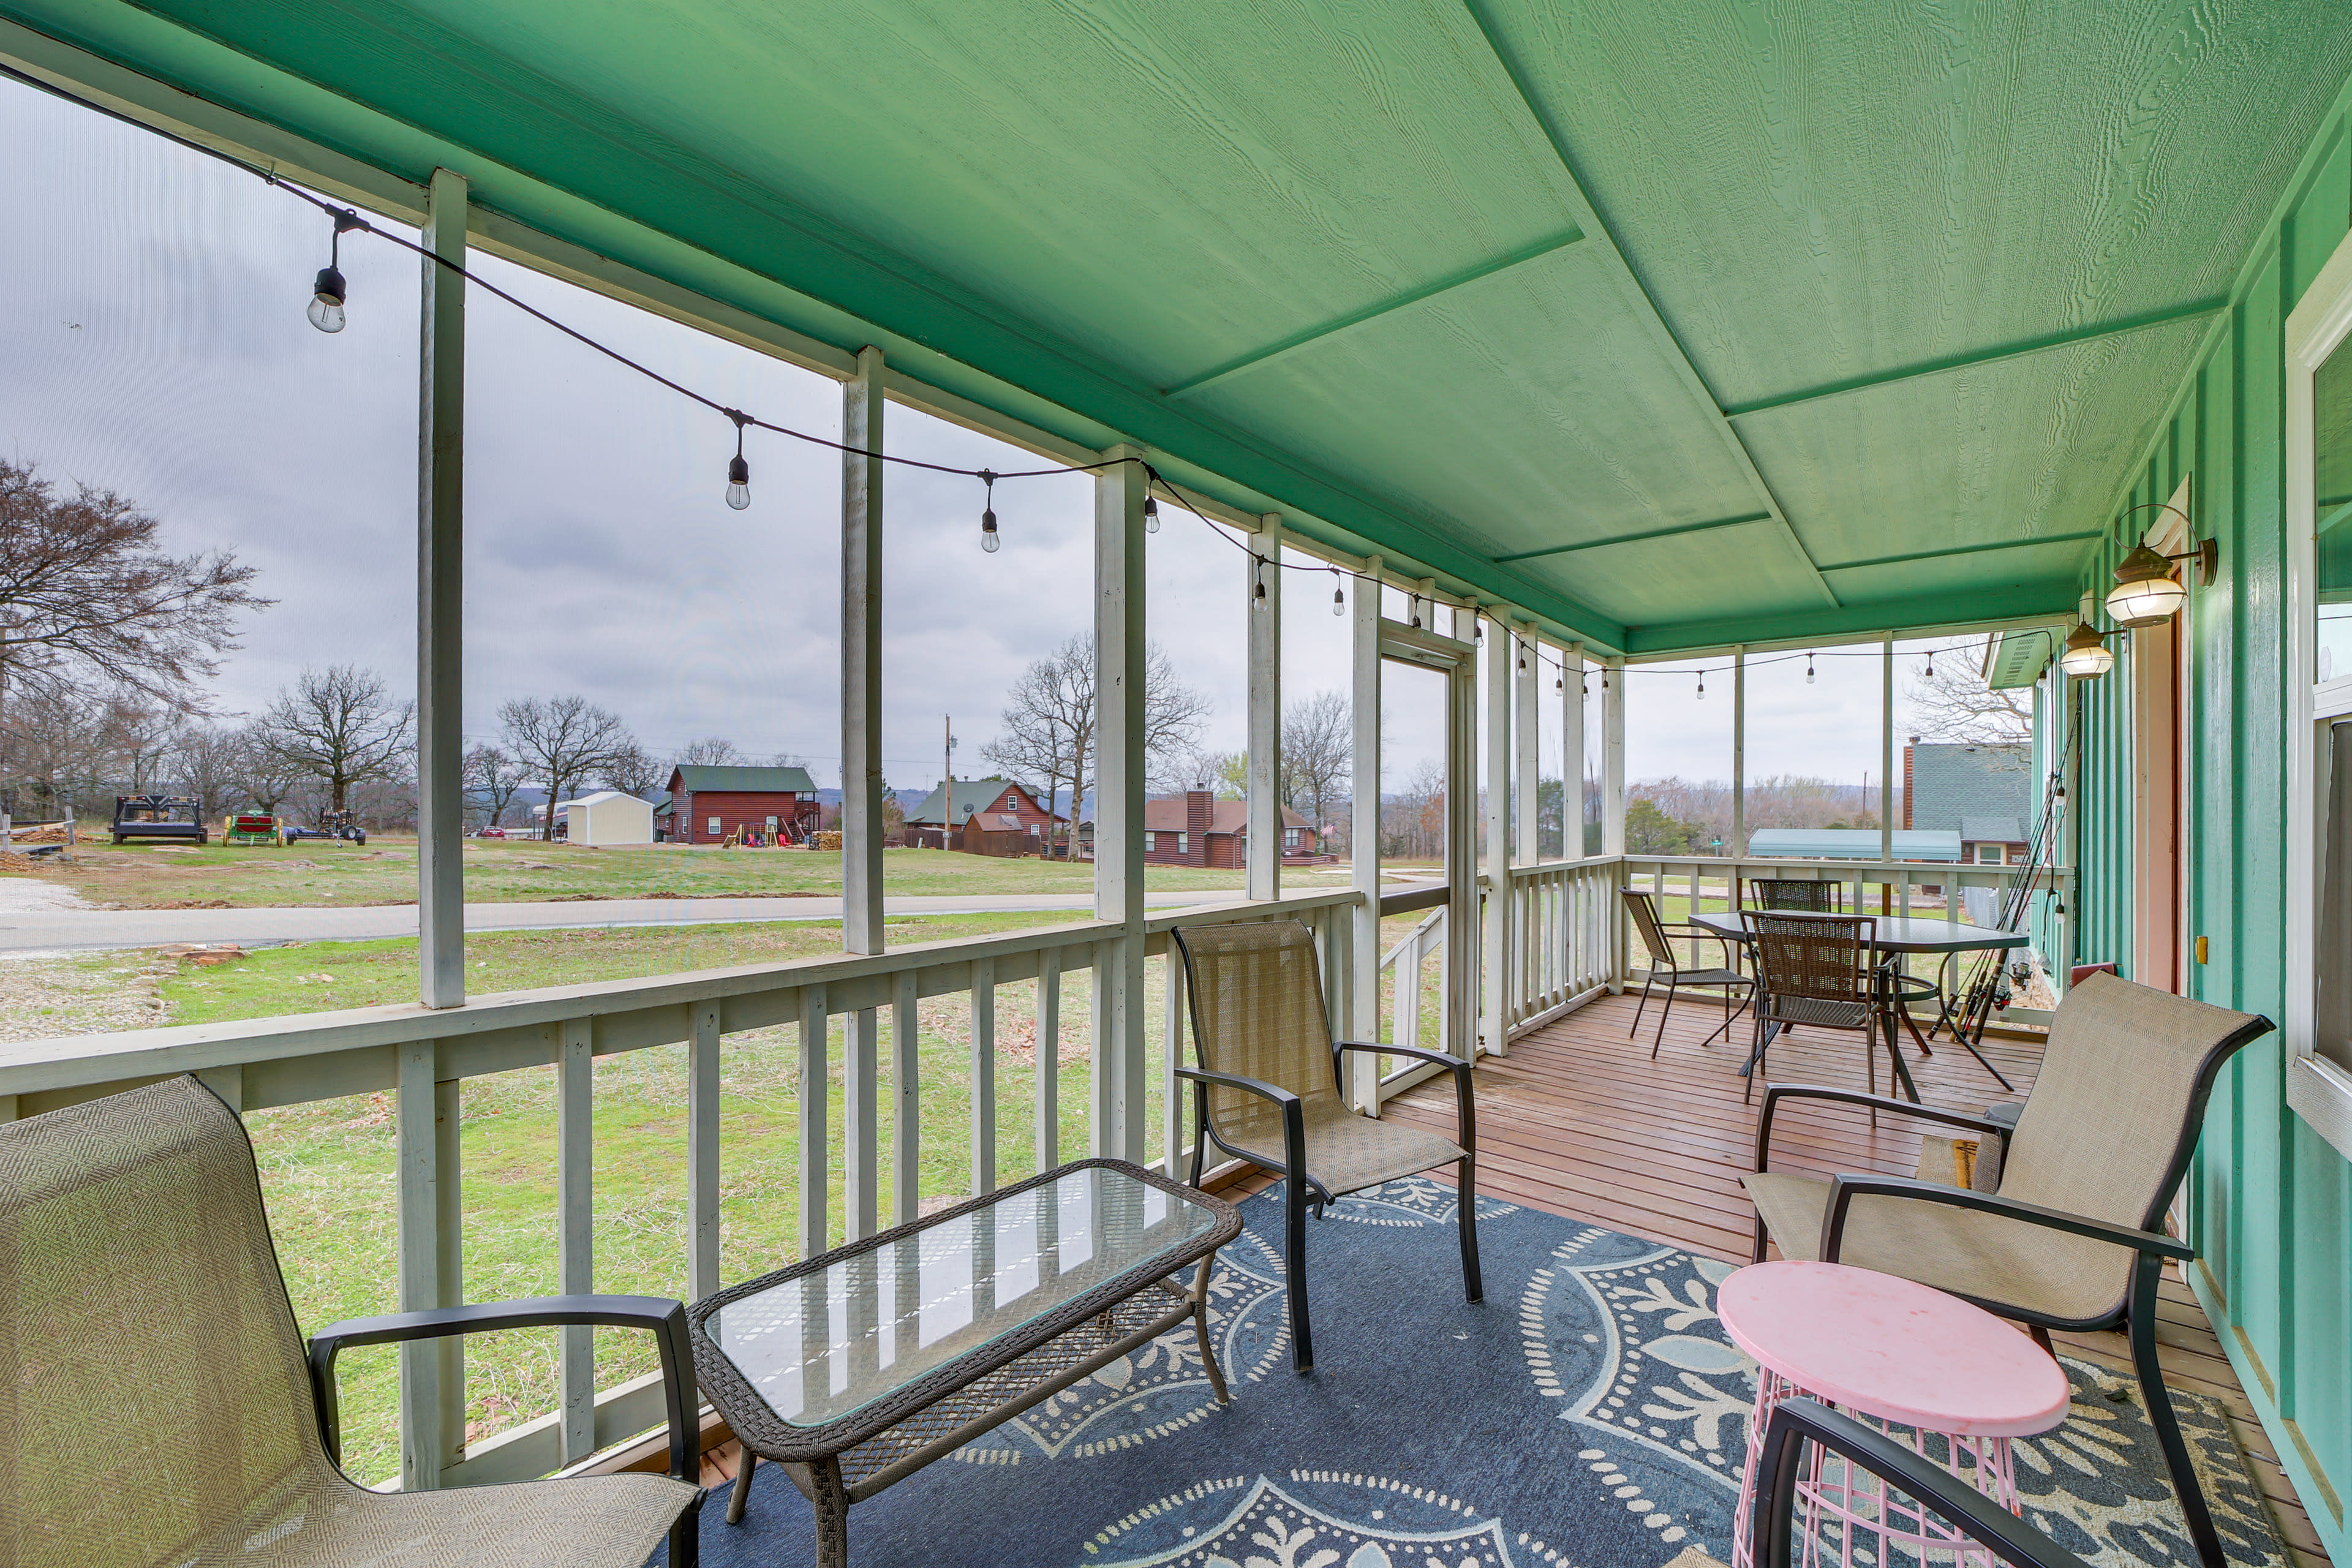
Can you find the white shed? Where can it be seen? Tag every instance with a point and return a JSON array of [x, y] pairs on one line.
[[608, 817]]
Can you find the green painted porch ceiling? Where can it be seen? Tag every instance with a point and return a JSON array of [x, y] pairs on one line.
[[1465, 281]]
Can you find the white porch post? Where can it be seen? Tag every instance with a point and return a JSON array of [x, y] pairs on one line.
[[431, 1255], [1495, 927], [1571, 752], [1526, 746], [1613, 756], [861, 774], [440, 611], [1363, 1085], [1739, 766], [1264, 875], [1461, 974], [1886, 761], [1120, 1122]]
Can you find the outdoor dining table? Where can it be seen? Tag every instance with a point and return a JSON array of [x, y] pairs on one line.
[[1894, 937]]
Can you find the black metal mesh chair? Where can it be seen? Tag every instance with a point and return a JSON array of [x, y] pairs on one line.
[[162, 1414], [1818, 971], [1667, 967], [1267, 1092], [1794, 893]]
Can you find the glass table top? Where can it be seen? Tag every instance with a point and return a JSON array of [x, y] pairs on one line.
[[828, 1343]]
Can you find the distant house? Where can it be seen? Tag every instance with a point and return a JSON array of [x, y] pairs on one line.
[[990, 804], [1196, 829], [708, 805], [1982, 793]]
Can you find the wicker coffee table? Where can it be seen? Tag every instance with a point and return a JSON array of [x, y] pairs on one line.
[[857, 1368]]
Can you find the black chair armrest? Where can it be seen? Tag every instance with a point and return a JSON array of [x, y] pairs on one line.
[[665, 1317], [1465, 1117], [1844, 1190], [1776, 1092], [1778, 1467], [1293, 1112]]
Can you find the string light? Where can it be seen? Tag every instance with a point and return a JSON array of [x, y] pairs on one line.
[[1257, 599], [1412, 610], [1150, 514], [1701, 686], [1338, 596], [988, 539], [739, 472], [1808, 669], [328, 292], [1931, 664]]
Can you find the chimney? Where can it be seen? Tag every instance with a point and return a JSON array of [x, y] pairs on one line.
[[1200, 812]]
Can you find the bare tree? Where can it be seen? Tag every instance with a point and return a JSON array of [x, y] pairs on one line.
[[490, 777], [632, 771], [1958, 705], [711, 751], [1048, 729], [266, 776], [208, 761], [563, 740], [342, 726], [1318, 740], [88, 602]]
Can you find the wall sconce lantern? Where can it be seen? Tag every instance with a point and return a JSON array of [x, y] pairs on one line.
[[2146, 593], [2085, 657]]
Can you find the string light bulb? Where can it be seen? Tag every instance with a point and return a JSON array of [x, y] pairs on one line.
[[1150, 514], [739, 472], [328, 291], [1701, 686], [1257, 583], [1808, 669], [1931, 664], [988, 539], [1339, 597]]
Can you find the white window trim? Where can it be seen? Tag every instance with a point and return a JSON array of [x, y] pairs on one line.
[[2319, 1092]]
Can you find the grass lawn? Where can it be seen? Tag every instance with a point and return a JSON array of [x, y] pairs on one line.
[[328, 1167], [146, 875]]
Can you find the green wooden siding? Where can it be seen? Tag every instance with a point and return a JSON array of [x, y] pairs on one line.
[[2269, 1201]]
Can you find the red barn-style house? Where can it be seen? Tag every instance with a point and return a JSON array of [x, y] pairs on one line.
[[709, 805], [1196, 829], [990, 805]]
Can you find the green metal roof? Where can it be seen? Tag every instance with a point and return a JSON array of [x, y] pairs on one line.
[[695, 777], [1669, 323]]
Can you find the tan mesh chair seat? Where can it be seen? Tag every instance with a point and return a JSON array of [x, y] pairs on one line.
[[1980, 1256], [162, 1413], [1257, 1014], [1345, 1152]]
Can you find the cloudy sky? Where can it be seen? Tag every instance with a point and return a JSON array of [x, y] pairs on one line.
[[157, 346]]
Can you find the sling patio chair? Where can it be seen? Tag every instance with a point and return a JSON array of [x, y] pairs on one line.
[[1818, 971], [1794, 893], [162, 1414], [2063, 1227], [1267, 1092], [1658, 937]]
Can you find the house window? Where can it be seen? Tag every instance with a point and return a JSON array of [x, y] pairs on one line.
[[1151, 842], [1988, 855], [2319, 730], [714, 825], [1183, 843]]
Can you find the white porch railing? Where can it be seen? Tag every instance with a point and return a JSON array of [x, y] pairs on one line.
[[422, 1056]]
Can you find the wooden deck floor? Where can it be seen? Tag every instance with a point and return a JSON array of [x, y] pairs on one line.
[[1579, 1122]]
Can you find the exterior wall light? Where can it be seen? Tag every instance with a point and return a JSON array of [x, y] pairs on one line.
[[2146, 593], [2085, 657]]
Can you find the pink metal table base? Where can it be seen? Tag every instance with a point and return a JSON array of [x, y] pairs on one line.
[[1843, 1507]]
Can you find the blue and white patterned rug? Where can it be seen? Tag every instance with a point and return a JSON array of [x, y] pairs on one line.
[[1590, 1412]]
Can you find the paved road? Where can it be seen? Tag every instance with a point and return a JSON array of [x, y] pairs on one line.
[[50, 930]]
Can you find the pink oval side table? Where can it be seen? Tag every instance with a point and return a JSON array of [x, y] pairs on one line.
[[1906, 1354]]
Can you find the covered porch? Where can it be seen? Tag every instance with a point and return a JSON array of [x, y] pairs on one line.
[[1549, 345]]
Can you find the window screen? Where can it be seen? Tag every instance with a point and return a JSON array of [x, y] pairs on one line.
[[2332, 1038]]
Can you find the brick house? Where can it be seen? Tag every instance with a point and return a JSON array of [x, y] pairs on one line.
[[705, 804], [991, 805], [1196, 829]]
